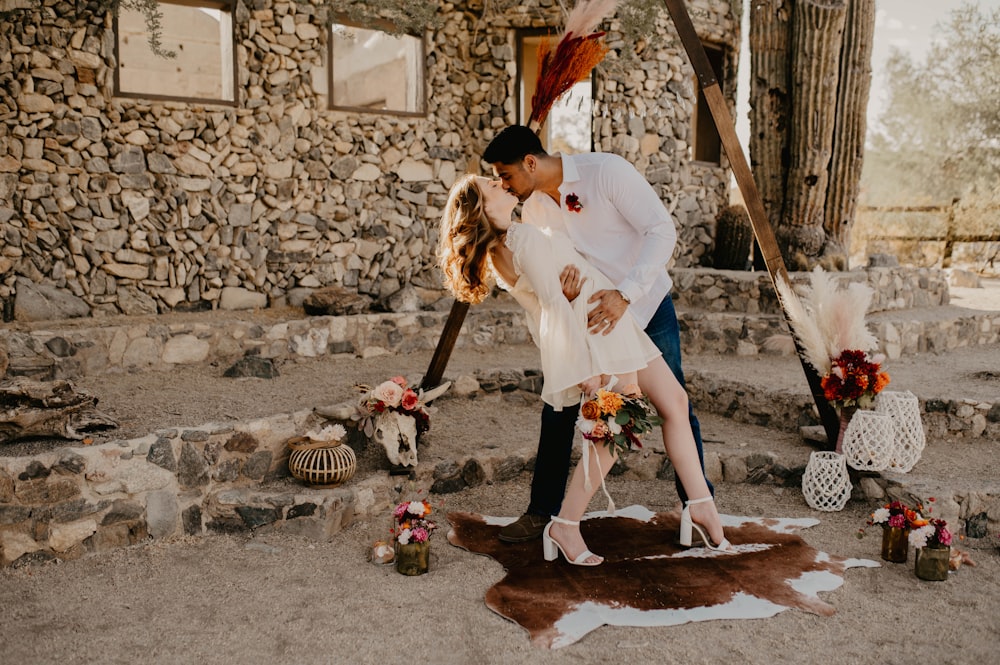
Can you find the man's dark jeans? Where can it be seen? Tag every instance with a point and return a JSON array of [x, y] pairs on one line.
[[555, 442]]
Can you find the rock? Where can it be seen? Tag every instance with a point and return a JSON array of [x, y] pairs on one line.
[[41, 302], [252, 366], [964, 279], [405, 300], [465, 386], [336, 301], [236, 298]]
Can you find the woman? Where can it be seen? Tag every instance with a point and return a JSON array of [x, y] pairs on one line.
[[478, 236]]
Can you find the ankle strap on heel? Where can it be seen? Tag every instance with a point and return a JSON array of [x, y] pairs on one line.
[[704, 499], [560, 520]]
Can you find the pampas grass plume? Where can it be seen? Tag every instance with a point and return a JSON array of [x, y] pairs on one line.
[[828, 320]]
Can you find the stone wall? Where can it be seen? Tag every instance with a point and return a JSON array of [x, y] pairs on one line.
[[131, 206]]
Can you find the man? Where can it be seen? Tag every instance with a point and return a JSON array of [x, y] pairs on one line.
[[618, 222]]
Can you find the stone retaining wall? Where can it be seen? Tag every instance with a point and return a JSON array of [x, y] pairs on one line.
[[224, 478], [129, 206]]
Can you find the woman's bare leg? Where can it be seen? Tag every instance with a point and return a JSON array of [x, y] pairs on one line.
[[578, 496], [671, 402]]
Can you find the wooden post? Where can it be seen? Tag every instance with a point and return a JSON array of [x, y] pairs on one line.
[[751, 197], [452, 327]]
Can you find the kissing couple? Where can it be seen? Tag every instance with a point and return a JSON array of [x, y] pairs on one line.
[[588, 264]]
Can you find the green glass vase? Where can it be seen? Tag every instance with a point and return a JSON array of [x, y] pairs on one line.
[[931, 563], [413, 558]]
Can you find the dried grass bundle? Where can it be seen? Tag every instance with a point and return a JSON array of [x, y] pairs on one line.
[[575, 55], [827, 320]]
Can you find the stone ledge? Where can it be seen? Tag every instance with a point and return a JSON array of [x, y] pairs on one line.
[[233, 478], [125, 346]]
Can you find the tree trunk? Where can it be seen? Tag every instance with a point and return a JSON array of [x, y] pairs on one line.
[[849, 132], [817, 34], [770, 100]]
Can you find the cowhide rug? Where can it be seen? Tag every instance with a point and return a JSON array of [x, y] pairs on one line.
[[648, 580]]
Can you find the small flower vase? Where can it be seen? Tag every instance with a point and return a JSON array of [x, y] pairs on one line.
[[895, 544], [931, 563], [413, 558]]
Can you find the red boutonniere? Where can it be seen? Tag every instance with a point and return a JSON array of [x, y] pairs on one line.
[[573, 203]]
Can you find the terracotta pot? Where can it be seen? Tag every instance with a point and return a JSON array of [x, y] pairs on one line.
[[895, 544], [931, 563], [413, 558]]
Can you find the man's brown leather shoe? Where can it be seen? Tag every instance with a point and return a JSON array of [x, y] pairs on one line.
[[526, 527]]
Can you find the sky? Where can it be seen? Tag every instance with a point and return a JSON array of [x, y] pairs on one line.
[[908, 25]]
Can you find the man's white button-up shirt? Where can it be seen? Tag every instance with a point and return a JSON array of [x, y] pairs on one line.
[[619, 224]]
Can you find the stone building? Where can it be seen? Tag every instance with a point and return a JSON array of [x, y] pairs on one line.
[[271, 155]]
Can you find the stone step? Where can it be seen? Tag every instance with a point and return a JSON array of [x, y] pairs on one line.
[[958, 392], [87, 348], [752, 292]]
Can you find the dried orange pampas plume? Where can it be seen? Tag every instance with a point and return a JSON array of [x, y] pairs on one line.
[[575, 55]]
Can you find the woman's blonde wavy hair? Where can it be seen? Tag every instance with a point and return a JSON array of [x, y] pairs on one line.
[[466, 238]]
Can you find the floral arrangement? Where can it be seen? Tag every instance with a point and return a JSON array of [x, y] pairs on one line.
[[617, 419], [411, 523], [392, 395], [830, 325], [854, 379], [934, 533], [573, 203], [897, 514]]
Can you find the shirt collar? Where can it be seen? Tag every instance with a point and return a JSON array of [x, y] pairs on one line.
[[569, 171]]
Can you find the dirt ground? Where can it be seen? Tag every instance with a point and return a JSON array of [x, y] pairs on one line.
[[280, 599]]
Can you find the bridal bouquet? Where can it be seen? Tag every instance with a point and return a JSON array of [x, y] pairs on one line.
[[392, 395], [617, 419]]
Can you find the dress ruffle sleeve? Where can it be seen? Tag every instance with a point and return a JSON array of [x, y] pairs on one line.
[[557, 329]]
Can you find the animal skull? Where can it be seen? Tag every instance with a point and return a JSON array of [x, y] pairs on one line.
[[397, 433]]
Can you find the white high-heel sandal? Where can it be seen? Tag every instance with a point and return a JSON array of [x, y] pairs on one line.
[[551, 547], [688, 525]]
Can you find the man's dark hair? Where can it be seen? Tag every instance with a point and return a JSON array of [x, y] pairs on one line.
[[512, 144]]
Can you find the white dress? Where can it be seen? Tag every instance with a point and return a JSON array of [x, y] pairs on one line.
[[569, 353]]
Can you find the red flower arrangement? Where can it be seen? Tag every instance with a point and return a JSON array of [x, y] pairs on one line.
[[854, 379], [573, 203]]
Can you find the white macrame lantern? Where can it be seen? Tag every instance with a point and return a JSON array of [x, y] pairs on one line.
[[825, 483], [870, 441], [903, 409]]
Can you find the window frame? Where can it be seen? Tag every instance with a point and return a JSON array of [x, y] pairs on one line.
[[228, 6], [389, 28]]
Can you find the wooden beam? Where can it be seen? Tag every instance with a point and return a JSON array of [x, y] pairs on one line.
[[452, 327], [751, 197]]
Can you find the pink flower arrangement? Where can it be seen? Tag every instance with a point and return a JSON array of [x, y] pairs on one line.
[[896, 514], [933, 534], [411, 523], [392, 395]]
